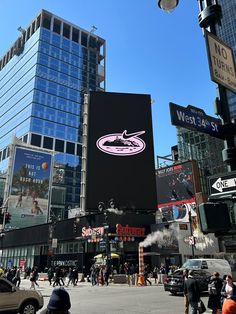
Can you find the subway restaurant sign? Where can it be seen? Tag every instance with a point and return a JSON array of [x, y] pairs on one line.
[[221, 62]]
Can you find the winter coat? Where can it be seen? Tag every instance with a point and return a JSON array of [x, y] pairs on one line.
[[191, 288], [214, 301]]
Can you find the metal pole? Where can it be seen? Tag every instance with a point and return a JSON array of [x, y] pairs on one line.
[[191, 232]]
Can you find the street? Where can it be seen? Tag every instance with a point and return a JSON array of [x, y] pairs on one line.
[[117, 298]]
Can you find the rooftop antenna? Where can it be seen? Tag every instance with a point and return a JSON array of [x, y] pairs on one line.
[[93, 29], [20, 29]]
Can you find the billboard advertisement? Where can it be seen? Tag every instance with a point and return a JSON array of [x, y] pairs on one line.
[[29, 192], [120, 154], [176, 188]]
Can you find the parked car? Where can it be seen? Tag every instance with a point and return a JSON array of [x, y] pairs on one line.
[[175, 283], [16, 300], [210, 264]]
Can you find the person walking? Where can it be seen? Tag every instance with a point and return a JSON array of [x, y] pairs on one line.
[[228, 293], [33, 278], [214, 290], [17, 279], [50, 275], [146, 275], [191, 289], [57, 277], [186, 302], [59, 302]]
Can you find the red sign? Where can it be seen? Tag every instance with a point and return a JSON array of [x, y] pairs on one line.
[[129, 231], [22, 263]]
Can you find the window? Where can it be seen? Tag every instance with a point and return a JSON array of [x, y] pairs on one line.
[[59, 146], [36, 140], [70, 148], [48, 142], [46, 21], [57, 26], [25, 138], [84, 39], [75, 35], [79, 150], [66, 31]]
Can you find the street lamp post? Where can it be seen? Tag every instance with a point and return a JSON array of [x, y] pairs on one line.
[[211, 14], [102, 208]]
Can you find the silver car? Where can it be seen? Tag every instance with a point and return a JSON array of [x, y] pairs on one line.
[[16, 300]]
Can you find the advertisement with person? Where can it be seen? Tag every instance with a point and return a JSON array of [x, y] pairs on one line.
[[29, 193], [176, 188]]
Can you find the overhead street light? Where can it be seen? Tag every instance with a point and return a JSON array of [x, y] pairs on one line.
[[168, 5]]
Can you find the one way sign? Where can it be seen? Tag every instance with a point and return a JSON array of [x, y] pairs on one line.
[[222, 184]]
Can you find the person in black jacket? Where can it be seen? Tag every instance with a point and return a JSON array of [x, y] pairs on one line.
[[214, 301], [191, 289]]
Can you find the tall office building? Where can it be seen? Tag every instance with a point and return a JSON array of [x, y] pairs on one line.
[[227, 32], [207, 150], [43, 78]]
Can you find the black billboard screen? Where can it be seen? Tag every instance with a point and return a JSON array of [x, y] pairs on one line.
[[120, 155], [175, 184]]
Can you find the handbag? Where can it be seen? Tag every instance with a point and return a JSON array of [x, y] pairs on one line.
[[201, 307]]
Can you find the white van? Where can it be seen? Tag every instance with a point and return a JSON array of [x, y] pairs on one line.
[[211, 264]]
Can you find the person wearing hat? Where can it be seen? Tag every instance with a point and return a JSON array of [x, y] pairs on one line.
[[59, 302]]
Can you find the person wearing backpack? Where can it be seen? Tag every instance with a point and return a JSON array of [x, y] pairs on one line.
[[214, 290]]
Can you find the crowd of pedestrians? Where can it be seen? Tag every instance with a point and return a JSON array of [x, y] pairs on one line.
[[222, 294]]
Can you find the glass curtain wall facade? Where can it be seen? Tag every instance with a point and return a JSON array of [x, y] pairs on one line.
[[227, 32], [43, 79], [207, 150]]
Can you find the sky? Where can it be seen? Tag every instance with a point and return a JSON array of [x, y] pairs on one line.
[[148, 51]]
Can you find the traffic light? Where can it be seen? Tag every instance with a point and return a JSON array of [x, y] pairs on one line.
[[7, 218], [214, 217]]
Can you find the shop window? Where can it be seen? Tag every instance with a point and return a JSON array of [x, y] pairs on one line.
[[36, 140]]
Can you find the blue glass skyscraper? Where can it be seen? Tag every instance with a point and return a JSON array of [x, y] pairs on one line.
[[43, 79], [227, 32]]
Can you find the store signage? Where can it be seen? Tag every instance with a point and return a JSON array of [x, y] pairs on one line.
[[92, 232], [195, 119], [221, 62], [129, 231], [224, 184]]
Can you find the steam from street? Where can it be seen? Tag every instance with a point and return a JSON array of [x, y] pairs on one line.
[[165, 237]]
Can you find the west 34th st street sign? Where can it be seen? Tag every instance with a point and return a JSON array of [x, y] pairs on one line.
[[222, 184]]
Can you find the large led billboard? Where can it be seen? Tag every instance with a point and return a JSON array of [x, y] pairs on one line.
[[29, 190], [176, 188], [120, 155]]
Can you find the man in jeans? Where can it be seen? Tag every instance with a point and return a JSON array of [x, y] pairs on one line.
[[191, 289]]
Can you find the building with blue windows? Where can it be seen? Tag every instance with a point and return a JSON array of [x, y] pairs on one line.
[[43, 79], [227, 32]]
